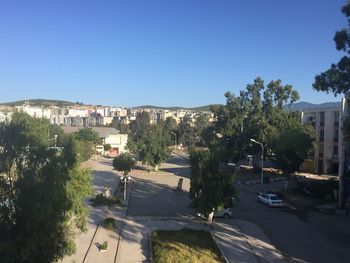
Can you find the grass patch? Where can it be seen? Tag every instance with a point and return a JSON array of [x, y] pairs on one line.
[[109, 223], [185, 245], [100, 200]]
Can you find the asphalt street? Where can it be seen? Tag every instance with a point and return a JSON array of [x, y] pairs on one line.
[[301, 236]]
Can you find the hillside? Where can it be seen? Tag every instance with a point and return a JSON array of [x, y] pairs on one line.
[[200, 108], [299, 106], [41, 102]]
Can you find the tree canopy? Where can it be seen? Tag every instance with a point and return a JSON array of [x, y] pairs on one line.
[[124, 162], [210, 187], [256, 113], [292, 146], [41, 193], [337, 78]]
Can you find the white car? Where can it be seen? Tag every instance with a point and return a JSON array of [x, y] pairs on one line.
[[270, 200], [223, 212], [220, 212]]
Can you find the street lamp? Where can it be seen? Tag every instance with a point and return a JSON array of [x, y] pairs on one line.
[[56, 141], [174, 139], [262, 159], [125, 179]]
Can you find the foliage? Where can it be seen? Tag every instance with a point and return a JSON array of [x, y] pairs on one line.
[[210, 187], [87, 135], [109, 223], [201, 124], [256, 113], [186, 131], [104, 245], [124, 162], [107, 147], [121, 127], [337, 78], [85, 149], [101, 200], [140, 125], [153, 147], [41, 193], [185, 245], [292, 146]]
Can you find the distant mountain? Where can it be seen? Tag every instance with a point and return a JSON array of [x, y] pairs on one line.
[[299, 106], [41, 102]]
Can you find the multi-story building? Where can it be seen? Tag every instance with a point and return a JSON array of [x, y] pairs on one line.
[[326, 122]]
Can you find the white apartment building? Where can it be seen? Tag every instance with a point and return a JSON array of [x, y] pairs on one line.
[[326, 122]]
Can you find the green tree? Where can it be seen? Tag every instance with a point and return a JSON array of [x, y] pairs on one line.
[[107, 147], [140, 125], [41, 193], [256, 113], [210, 187], [337, 78], [121, 127], [201, 123], [153, 147], [292, 146], [86, 140], [187, 136], [87, 135], [124, 162]]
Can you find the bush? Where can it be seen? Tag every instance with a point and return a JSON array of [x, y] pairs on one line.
[[109, 223], [100, 200], [104, 246]]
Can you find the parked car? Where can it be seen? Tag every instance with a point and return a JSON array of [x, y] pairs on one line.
[[223, 212], [270, 199], [220, 212]]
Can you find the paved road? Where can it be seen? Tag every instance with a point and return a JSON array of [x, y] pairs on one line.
[[311, 237], [155, 204], [154, 194]]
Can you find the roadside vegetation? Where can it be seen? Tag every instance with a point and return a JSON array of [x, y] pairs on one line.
[[42, 192], [101, 200], [185, 245]]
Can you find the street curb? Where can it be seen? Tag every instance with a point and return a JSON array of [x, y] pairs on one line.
[[120, 238], [180, 155], [150, 248], [221, 251]]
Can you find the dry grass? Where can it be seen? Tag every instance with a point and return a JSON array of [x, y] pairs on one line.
[[185, 245]]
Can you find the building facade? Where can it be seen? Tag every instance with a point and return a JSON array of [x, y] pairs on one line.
[[326, 122]]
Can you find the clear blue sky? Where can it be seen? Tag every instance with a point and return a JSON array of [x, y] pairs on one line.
[[164, 52]]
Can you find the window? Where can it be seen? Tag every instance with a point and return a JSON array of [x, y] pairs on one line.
[[322, 118], [336, 118], [321, 135], [336, 135], [335, 151]]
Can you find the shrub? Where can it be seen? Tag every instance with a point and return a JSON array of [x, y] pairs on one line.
[[100, 200], [104, 245], [109, 223]]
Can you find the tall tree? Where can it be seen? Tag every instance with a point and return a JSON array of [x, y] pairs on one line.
[[256, 113], [124, 162], [292, 146], [153, 147], [337, 78], [187, 135], [41, 193], [210, 187]]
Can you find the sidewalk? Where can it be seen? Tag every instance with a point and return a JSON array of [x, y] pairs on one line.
[[245, 242]]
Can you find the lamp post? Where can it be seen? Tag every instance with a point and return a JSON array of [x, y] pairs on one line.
[[262, 159], [125, 179], [56, 141], [174, 139]]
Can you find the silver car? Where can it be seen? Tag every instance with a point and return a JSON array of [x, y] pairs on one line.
[[270, 200]]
